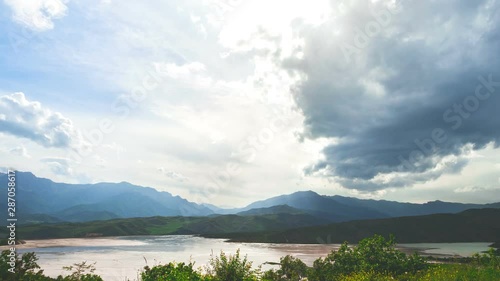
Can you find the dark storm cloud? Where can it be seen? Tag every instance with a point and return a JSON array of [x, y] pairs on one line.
[[422, 87]]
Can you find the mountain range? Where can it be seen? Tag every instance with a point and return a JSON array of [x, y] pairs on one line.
[[41, 200]]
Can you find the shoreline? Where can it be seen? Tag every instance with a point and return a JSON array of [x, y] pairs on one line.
[[125, 241]]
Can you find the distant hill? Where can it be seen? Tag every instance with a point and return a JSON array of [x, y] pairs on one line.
[[84, 202], [249, 223], [339, 209], [166, 226], [278, 209], [55, 202], [24, 219], [399, 209], [317, 205], [477, 225]]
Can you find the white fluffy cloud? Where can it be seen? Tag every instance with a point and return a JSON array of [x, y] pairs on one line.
[[37, 14], [23, 118]]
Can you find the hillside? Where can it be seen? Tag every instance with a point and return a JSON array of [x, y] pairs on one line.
[[55, 202], [166, 226], [400, 209], [278, 209], [318, 206], [340, 209], [478, 225]]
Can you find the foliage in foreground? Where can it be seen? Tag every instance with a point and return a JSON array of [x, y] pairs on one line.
[[171, 272], [373, 259], [27, 269], [374, 255]]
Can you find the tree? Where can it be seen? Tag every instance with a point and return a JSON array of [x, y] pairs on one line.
[[231, 268], [26, 267], [79, 272], [171, 272], [374, 255], [291, 268]]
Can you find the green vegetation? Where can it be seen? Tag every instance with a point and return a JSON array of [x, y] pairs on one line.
[[373, 255], [166, 225], [291, 268], [373, 259], [231, 267], [469, 226], [171, 272], [27, 269], [477, 225]]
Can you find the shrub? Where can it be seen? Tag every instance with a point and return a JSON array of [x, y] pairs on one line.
[[26, 268], [291, 268], [374, 255], [231, 268], [171, 272], [79, 272], [489, 259]]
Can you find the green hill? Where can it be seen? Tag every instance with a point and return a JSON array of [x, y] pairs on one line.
[[166, 225], [481, 225], [278, 209]]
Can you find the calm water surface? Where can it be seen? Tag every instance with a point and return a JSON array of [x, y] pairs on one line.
[[122, 258]]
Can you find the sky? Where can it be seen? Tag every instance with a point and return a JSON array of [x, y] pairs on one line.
[[232, 101]]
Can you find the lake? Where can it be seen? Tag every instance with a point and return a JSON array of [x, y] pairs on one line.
[[119, 258]]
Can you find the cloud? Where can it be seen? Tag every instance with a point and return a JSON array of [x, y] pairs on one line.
[[20, 151], [37, 14], [173, 175], [28, 119], [473, 189], [59, 166], [383, 83]]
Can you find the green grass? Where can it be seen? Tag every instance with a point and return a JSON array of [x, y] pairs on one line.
[[442, 272], [458, 272]]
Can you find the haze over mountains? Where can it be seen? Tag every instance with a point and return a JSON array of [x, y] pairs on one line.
[[42, 200]]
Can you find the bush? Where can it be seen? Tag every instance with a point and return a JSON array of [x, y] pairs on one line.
[[171, 272], [373, 255], [79, 273], [25, 268], [459, 272], [490, 259], [291, 268], [231, 268]]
